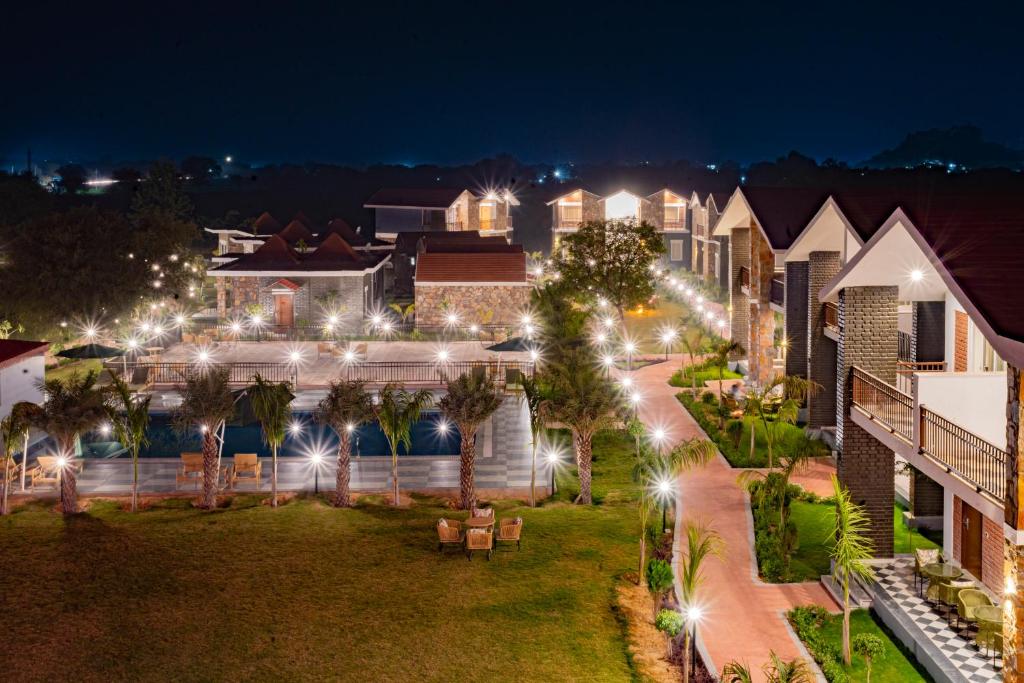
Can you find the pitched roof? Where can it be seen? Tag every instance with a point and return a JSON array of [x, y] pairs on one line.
[[295, 231], [275, 256], [301, 217], [287, 284], [424, 198], [265, 225], [332, 250], [783, 212], [471, 267], [14, 350], [407, 243]]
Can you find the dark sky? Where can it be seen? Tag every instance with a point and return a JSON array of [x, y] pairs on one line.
[[444, 82]]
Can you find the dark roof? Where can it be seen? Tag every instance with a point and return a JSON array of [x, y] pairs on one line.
[[333, 250], [265, 225], [486, 245], [407, 243], [427, 198], [301, 217], [720, 199], [295, 231], [783, 212], [276, 256], [13, 350], [471, 267]]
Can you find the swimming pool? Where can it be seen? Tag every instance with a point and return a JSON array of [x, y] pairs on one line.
[[368, 440]]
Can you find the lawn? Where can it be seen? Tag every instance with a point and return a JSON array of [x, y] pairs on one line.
[[62, 372], [814, 525], [310, 592], [645, 327], [684, 378]]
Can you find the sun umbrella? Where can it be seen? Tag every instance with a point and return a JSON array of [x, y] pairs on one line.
[[91, 351], [512, 344]]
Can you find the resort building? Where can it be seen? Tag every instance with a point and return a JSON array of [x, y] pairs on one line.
[[408, 245], [709, 254], [22, 367], [441, 209], [665, 209]]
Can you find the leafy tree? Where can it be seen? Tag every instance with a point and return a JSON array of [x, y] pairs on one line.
[[870, 647], [562, 322], [397, 411], [659, 579], [272, 405], [129, 417], [162, 192], [72, 178], [850, 550], [761, 404], [612, 259], [470, 400], [702, 542], [671, 623], [346, 407], [71, 407], [206, 402], [720, 354], [404, 312], [533, 399], [12, 429]]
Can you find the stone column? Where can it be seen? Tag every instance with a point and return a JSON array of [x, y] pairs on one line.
[[724, 272], [1013, 609], [761, 354], [868, 317], [822, 266], [796, 318], [222, 298], [739, 256]]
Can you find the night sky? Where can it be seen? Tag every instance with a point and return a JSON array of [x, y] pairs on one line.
[[448, 83]]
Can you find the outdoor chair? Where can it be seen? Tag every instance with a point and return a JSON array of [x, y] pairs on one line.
[[923, 557], [947, 595], [509, 531], [449, 533], [190, 471], [967, 601], [482, 512], [45, 473], [324, 348], [479, 539], [247, 467], [991, 640]]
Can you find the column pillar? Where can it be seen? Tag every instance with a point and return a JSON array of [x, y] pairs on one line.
[[1013, 566], [925, 495], [868, 316], [739, 247], [822, 266], [796, 318], [761, 354]]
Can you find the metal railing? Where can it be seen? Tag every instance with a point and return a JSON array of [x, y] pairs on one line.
[[905, 372], [905, 350], [777, 294], [240, 373], [566, 224], [745, 278], [964, 454], [884, 403], [436, 374], [831, 312]]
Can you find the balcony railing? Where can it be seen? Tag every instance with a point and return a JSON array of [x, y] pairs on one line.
[[745, 279], [568, 224], [502, 373], [675, 224], [241, 373], [905, 372], [905, 350], [831, 312], [777, 295], [967, 455], [885, 404]]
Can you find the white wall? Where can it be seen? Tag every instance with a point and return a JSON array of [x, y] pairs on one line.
[[18, 382], [975, 401]]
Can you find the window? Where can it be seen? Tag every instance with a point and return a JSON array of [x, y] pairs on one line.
[[675, 250], [488, 216]]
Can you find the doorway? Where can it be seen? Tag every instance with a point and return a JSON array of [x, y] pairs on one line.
[[283, 310], [970, 540]]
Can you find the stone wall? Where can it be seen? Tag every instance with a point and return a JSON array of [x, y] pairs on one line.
[[739, 256], [484, 304], [761, 353], [821, 350], [1013, 634], [724, 268], [796, 318], [244, 291], [683, 237]]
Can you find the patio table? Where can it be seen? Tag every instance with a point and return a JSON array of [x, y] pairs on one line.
[[940, 572], [480, 522]]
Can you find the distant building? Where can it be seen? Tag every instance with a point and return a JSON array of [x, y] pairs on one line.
[[441, 209]]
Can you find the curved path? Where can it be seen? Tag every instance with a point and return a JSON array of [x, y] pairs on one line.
[[743, 619]]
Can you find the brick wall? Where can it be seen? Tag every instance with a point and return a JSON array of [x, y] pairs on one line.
[[796, 318], [821, 350], [500, 305], [724, 268], [992, 555], [958, 527], [960, 342], [739, 256], [925, 496], [928, 331]]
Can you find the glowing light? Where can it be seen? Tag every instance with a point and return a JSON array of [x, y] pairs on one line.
[[608, 322], [145, 327], [133, 344], [452, 318], [105, 429], [664, 487], [173, 258], [626, 382], [601, 338], [602, 302], [700, 299], [156, 267], [538, 271], [629, 347], [295, 428], [179, 320], [689, 292], [158, 330], [387, 326], [236, 327], [635, 398], [62, 462], [442, 427], [658, 435], [709, 315], [377, 319], [608, 361], [332, 319], [527, 319], [916, 275], [203, 429], [350, 428], [721, 324], [694, 614], [668, 336], [442, 355], [316, 457], [157, 284], [700, 309], [528, 329], [350, 355], [91, 332], [256, 319], [534, 355], [474, 328], [203, 356]]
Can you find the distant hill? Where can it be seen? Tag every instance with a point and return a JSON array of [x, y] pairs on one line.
[[962, 146]]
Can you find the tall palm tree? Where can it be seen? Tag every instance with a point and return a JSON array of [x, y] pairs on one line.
[[702, 542], [533, 398], [694, 343], [12, 428], [272, 405], [646, 468], [347, 406], [71, 407], [720, 353], [470, 400], [586, 403], [851, 549], [206, 402], [397, 412], [130, 420]]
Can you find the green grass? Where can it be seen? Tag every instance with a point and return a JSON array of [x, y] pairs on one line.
[[645, 327], [309, 592], [684, 378], [62, 372], [814, 525]]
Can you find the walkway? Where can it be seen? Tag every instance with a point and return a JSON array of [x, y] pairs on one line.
[[744, 616]]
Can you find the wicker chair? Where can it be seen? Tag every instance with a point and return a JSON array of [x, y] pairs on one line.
[[482, 512], [991, 640], [449, 533], [479, 539], [509, 531], [967, 601], [923, 557], [247, 467], [946, 594]]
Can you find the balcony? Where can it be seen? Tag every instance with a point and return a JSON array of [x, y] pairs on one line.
[[568, 224], [777, 294], [675, 224], [831, 320], [745, 279], [918, 432]]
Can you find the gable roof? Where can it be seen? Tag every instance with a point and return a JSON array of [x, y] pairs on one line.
[[265, 224], [332, 250], [447, 267], [413, 198], [301, 217], [295, 231], [14, 350], [783, 212]]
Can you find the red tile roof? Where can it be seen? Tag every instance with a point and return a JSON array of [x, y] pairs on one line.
[[275, 256], [332, 250], [471, 267], [287, 284], [14, 350]]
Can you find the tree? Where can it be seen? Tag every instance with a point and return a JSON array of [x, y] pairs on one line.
[[659, 580], [671, 623], [130, 420], [206, 403], [612, 259], [582, 400], [347, 406], [734, 672], [71, 407], [72, 178], [694, 343], [397, 411], [702, 542], [760, 404], [850, 551], [12, 428], [470, 400], [720, 353], [533, 399], [162, 191], [272, 405], [870, 647], [562, 323]]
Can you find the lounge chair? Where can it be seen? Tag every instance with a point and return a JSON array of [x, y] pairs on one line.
[[449, 533], [45, 473], [509, 531], [247, 467], [479, 539], [324, 348], [190, 471], [967, 601]]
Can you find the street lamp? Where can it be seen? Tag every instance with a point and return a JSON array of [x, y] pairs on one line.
[[630, 348], [663, 488], [316, 457], [668, 337], [553, 458]]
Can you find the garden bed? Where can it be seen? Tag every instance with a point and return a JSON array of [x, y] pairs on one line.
[[705, 373]]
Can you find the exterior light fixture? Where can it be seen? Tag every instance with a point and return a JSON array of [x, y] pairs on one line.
[[916, 275]]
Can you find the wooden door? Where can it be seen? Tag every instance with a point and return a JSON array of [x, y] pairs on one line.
[[283, 311], [970, 540]]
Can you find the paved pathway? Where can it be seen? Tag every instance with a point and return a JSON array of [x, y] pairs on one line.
[[743, 615]]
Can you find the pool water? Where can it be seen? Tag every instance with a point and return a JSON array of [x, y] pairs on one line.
[[368, 440]]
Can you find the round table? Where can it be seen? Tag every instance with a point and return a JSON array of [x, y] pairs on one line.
[[942, 572], [480, 522]]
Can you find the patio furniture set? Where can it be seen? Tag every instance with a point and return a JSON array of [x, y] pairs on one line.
[[45, 472], [480, 534], [246, 467], [950, 592]]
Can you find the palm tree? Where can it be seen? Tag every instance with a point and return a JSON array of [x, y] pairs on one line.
[[777, 670], [206, 402], [71, 407], [720, 359], [533, 398], [582, 400], [851, 549], [734, 672], [694, 343], [130, 420], [347, 406], [702, 542], [271, 403], [397, 412], [645, 471], [12, 428], [794, 391], [470, 400]]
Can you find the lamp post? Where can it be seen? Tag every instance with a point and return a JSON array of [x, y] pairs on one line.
[[552, 463], [667, 338], [316, 458], [630, 348]]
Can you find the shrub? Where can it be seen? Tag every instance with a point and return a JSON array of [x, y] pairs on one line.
[[807, 622], [870, 647], [669, 621], [659, 576], [734, 429], [708, 399]]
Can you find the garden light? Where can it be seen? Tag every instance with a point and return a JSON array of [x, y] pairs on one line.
[[601, 338], [442, 427], [179, 320], [608, 361], [452, 319], [257, 319], [332, 319], [203, 356], [236, 327], [700, 299], [721, 324], [105, 429], [474, 328], [694, 614], [534, 355], [626, 382], [350, 428], [350, 355], [295, 428]]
